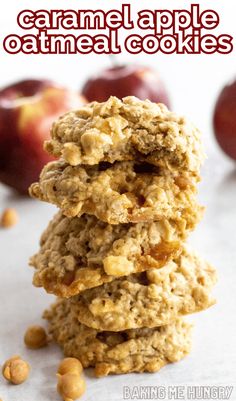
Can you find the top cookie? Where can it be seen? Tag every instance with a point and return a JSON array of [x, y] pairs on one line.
[[128, 129]]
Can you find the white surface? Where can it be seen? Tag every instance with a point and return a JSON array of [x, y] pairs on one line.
[[193, 82]]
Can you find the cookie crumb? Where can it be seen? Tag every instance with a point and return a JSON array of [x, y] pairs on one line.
[[9, 218], [15, 370]]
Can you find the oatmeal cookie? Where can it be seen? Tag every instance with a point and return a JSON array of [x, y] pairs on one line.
[[123, 192], [131, 129], [152, 298], [140, 350], [83, 252]]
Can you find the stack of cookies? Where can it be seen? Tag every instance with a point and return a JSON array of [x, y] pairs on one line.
[[115, 253]]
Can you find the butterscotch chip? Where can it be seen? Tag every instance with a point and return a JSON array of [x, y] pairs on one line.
[[16, 370], [149, 299], [131, 129], [9, 218], [139, 350], [35, 337], [119, 193], [71, 386], [70, 365], [83, 252]]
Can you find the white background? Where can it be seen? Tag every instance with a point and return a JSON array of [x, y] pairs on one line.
[[193, 82]]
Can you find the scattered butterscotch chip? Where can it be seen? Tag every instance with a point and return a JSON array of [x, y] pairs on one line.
[[70, 365], [15, 370], [71, 386], [9, 218], [35, 337]]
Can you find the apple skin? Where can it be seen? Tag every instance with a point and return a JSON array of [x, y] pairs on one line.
[[224, 120], [126, 80], [27, 111]]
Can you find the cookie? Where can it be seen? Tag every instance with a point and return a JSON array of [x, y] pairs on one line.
[[140, 350], [148, 299], [83, 252], [131, 129], [123, 192]]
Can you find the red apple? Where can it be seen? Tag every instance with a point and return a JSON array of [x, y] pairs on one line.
[[27, 111], [126, 80], [224, 120]]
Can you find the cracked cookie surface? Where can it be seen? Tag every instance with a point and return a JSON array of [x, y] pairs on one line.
[[83, 252], [140, 350], [128, 129], [148, 299], [122, 192]]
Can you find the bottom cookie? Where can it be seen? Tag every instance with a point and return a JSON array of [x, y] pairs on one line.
[[134, 350]]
